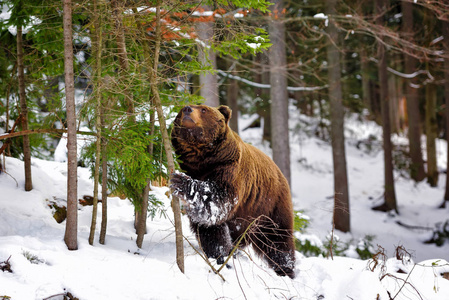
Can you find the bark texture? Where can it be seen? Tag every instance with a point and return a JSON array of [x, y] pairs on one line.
[[390, 194], [117, 10], [208, 80], [233, 95], [23, 110], [279, 95], [414, 130], [71, 236], [432, 134], [166, 140], [446, 99], [104, 189], [341, 191], [97, 49]]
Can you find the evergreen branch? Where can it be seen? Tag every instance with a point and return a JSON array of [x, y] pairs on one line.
[[38, 131]]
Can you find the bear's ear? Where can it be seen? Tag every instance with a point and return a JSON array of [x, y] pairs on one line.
[[226, 112]]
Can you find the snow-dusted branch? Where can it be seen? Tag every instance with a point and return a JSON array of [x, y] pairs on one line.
[[267, 86], [404, 75]]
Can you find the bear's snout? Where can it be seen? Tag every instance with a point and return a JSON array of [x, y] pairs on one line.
[[188, 118], [187, 110]]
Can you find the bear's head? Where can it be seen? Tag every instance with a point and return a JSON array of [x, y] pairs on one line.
[[201, 125]]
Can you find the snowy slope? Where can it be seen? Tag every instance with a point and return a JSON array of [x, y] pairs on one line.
[[119, 270]]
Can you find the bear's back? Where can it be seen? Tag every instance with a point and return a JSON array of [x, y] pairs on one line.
[[263, 186]]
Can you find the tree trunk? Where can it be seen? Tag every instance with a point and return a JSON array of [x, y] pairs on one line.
[[166, 140], [104, 187], [394, 101], [122, 53], [341, 191], [141, 211], [432, 134], [207, 57], [97, 49], [390, 194], [141, 225], [23, 109], [232, 99], [262, 75], [70, 237], [414, 131], [446, 99], [278, 93]]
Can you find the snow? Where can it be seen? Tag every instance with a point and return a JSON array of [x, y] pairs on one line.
[[119, 270], [322, 16], [201, 204], [256, 46], [208, 13], [5, 12], [13, 29], [61, 149]]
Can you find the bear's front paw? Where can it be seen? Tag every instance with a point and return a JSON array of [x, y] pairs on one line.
[[180, 185]]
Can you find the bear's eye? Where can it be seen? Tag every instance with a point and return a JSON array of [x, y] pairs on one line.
[[203, 110]]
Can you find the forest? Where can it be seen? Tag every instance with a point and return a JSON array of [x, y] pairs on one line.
[[97, 84]]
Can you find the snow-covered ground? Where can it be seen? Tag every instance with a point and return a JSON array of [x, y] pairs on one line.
[[32, 242]]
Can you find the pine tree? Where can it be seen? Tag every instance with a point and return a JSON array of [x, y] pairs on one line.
[[341, 190], [278, 92], [390, 194], [71, 234]]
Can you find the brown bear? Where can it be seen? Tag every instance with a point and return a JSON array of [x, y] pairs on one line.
[[227, 185]]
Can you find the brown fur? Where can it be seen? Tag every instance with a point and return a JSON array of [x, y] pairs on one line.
[[246, 185]]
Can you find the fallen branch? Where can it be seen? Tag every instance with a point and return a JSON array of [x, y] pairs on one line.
[[413, 226], [405, 282], [67, 295]]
